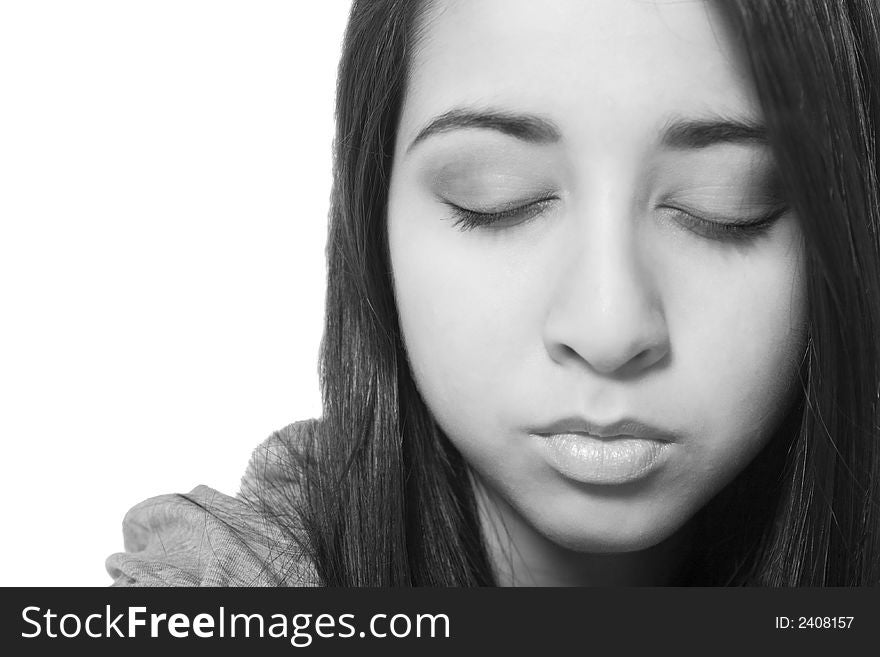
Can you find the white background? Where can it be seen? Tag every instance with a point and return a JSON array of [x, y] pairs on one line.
[[164, 186]]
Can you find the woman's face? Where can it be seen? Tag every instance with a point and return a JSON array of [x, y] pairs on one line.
[[600, 288]]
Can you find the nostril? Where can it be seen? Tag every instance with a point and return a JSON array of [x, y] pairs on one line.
[[646, 354], [651, 356]]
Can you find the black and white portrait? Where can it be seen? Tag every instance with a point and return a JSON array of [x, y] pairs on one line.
[[444, 292]]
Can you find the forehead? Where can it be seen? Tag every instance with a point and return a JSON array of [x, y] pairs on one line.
[[587, 65]]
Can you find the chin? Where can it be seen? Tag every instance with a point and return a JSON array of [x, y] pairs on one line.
[[609, 535]]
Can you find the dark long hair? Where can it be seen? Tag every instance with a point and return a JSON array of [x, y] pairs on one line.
[[386, 499], [816, 66]]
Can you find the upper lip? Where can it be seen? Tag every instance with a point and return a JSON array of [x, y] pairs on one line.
[[625, 427]]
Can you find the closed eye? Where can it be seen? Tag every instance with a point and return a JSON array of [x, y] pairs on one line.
[[504, 216], [725, 228]]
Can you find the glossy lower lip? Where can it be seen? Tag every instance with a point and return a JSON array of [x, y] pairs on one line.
[[592, 460]]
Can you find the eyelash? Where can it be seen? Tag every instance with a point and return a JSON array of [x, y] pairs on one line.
[[741, 232], [469, 219], [722, 231]]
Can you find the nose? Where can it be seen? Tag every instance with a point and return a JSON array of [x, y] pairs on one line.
[[606, 308]]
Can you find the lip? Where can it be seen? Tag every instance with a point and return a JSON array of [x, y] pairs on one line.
[[607, 454], [625, 427]]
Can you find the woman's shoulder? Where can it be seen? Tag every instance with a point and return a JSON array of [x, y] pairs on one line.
[[208, 538], [273, 474]]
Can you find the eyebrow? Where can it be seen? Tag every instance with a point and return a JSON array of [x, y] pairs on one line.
[[676, 134], [525, 127], [692, 134]]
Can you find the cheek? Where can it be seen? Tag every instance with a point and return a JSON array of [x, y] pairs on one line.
[[464, 320], [738, 327]]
